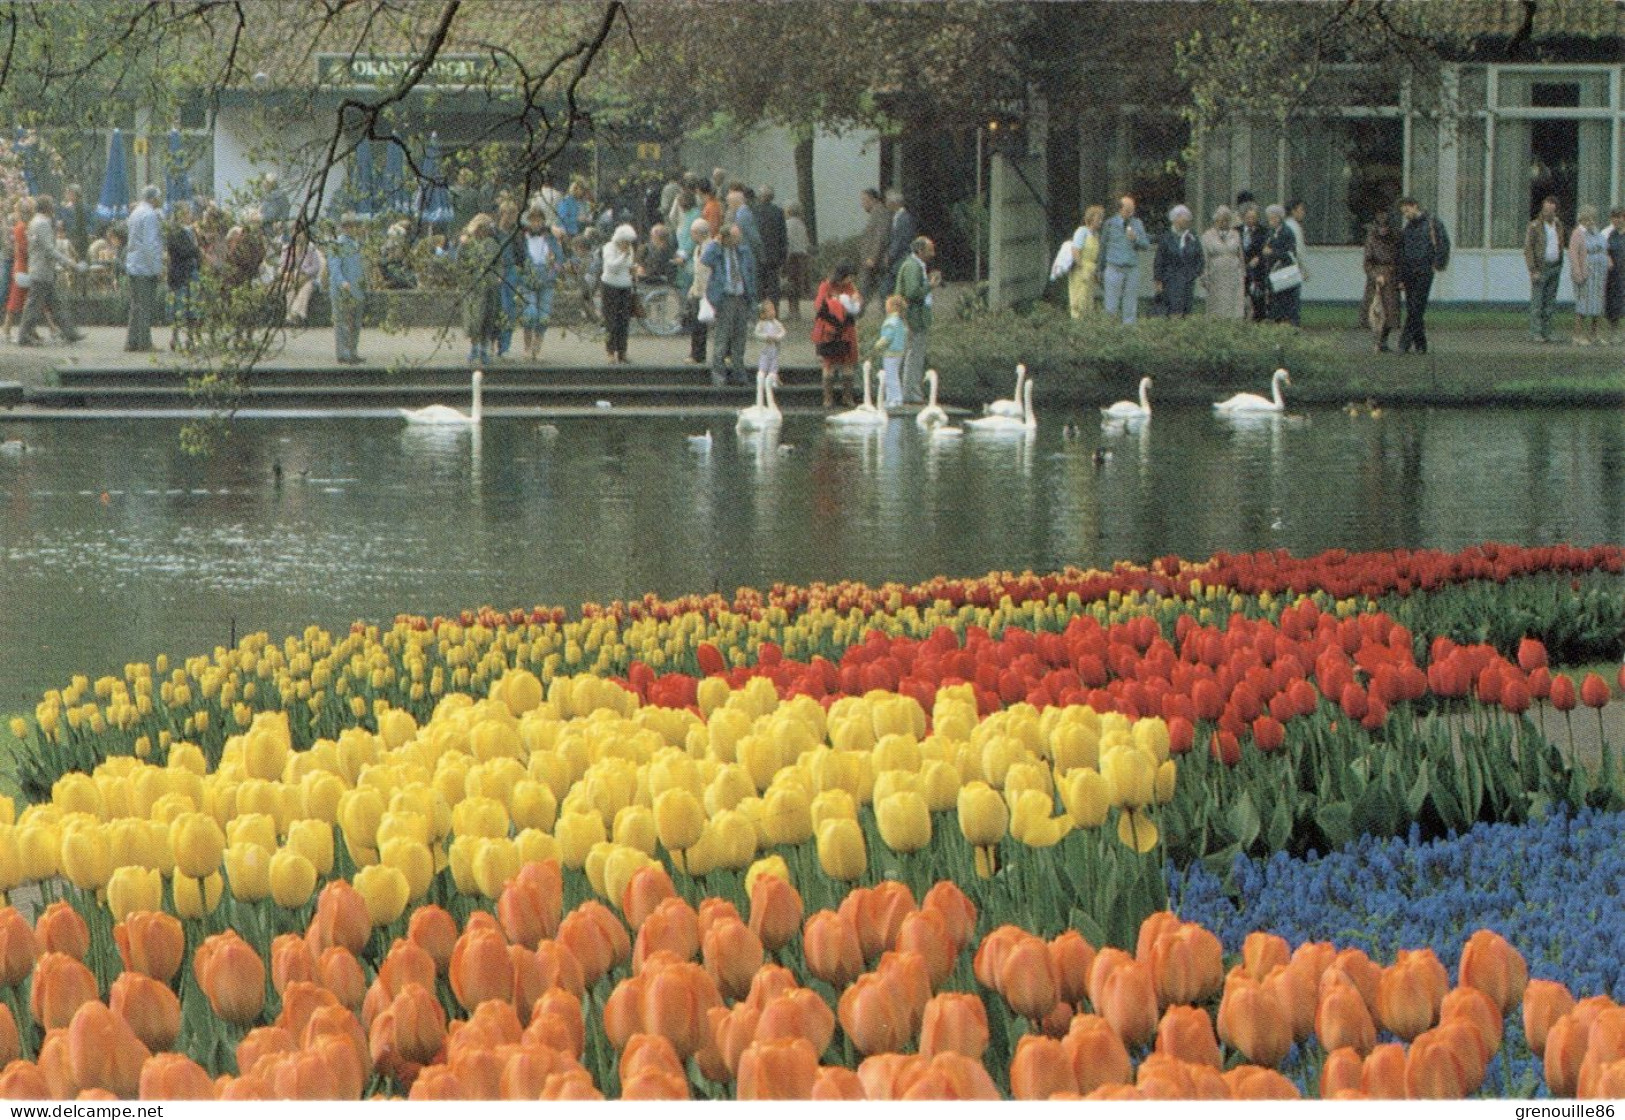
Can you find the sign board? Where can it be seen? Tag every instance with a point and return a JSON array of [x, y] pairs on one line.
[[451, 71], [649, 152]]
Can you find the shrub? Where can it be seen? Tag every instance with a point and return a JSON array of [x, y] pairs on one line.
[[1096, 359]]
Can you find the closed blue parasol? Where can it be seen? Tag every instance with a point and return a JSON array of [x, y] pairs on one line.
[[177, 180], [393, 188], [434, 200], [25, 156], [114, 202], [362, 187]]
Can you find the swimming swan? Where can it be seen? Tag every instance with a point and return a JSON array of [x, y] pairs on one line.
[[443, 415], [1252, 402], [932, 415], [1012, 405], [1128, 410], [765, 412], [866, 414], [993, 424]]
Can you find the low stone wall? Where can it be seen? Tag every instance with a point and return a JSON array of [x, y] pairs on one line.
[[422, 308]]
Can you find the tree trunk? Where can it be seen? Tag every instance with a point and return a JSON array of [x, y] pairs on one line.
[[804, 183]]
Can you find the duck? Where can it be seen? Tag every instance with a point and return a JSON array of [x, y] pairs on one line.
[[1128, 410], [867, 414], [446, 416], [932, 415], [1252, 402], [994, 424], [765, 412], [1010, 406]]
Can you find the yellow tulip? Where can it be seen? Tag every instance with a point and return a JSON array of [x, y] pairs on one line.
[[841, 851], [460, 858], [86, 857], [293, 878], [735, 839], [635, 828], [1151, 735], [536, 846], [597, 860], [899, 751], [1086, 797], [131, 889], [679, 817], [731, 785], [360, 812], [998, 754], [198, 844], [253, 828], [767, 865], [1167, 777], [576, 834], [189, 757], [396, 727], [78, 793], [833, 804], [313, 839], [195, 898], [983, 815], [1131, 777], [1137, 830], [264, 753], [533, 805], [11, 859], [1031, 823], [713, 692], [385, 891], [403, 824], [424, 800], [905, 821], [1074, 744], [620, 865], [480, 816], [787, 815], [939, 784], [248, 869]]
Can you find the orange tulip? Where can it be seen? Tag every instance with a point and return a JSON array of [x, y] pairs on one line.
[[623, 1012], [1254, 1019], [1262, 952], [572, 1085], [1164, 1077], [732, 955], [526, 1070], [1475, 1007], [832, 948], [1253, 1083], [521, 910], [991, 952], [1434, 1070], [1107, 961], [782, 1069], [433, 930], [1096, 1053], [479, 1069], [1364, 972], [673, 926], [103, 1052], [649, 1052], [908, 972], [837, 1083], [952, 1076], [654, 1085], [1188, 965], [648, 887], [1490, 964], [61, 985], [878, 914], [152, 943], [175, 1077], [1072, 957], [301, 999], [798, 1013], [875, 1015], [1298, 985], [1058, 1021], [886, 1077], [772, 981], [23, 1081], [54, 1065], [1040, 1069], [1609, 1083], [19, 948], [1544, 1003], [1605, 1046], [1409, 995], [560, 968], [341, 974], [481, 968], [405, 963], [1128, 1001], [60, 929], [341, 918], [338, 1034], [149, 1007], [955, 1021], [232, 975], [1342, 1020], [264, 1042], [952, 903], [291, 959], [437, 1083], [557, 1019], [775, 911], [408, 1033], [1152, 928], [10, 1040], [1027, 980], [597, 938], [1186, 1033], [676, 1000], [1342, 1072]]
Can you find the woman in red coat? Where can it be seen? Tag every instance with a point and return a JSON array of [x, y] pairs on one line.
[[835, 332], [19, 261]]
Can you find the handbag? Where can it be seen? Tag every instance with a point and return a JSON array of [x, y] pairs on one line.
[[1286, 277], [707, 312]]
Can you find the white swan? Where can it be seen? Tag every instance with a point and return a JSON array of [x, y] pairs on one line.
[[932, 415], [1252, 402], [1012, 405], [443, 415], [1026, 423], [700, 442], [1128, 410], [867, 414], [765, 412]]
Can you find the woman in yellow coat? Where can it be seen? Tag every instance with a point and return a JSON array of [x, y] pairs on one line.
[[1084, 282]]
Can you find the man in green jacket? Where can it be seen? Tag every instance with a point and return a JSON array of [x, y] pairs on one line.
[[915, 280]]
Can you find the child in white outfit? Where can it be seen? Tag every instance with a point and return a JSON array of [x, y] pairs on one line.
[[769, 333], [892, 345]]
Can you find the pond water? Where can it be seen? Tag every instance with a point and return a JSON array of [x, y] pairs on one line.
[[116, 545]]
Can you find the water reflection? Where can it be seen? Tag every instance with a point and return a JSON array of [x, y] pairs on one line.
[[114, 545]]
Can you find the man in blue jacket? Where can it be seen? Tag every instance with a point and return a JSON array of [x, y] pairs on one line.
[[347, 290], [1122, 239], [732, 291]]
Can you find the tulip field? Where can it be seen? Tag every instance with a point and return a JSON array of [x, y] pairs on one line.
[[1251, 827]]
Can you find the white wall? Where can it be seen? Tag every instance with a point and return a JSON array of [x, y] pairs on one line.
[[1475, 276], [241, 134], [842, 166]]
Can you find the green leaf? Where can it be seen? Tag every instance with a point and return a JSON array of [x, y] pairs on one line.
[[1244, 822], [1280, 827], [1417, 794], [1336, 823], [1086, 925]]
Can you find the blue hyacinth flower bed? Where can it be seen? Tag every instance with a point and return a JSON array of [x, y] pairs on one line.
[[1555, 889]]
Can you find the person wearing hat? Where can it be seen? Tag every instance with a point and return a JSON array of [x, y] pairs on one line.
[[347, 289], [620, 267], [539, 257]]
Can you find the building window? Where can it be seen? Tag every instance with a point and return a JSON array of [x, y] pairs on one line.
[[1541, 151], [1346, 169]]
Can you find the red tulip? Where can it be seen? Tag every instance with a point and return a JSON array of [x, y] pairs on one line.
[[1594, 691], [1563, 695], [1531, 654]]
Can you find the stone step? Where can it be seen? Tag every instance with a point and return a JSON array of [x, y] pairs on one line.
[[11, 394], [313, 394], [506, 374]]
